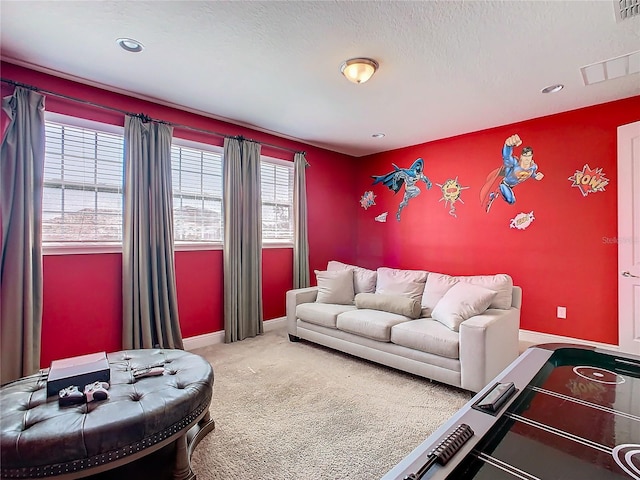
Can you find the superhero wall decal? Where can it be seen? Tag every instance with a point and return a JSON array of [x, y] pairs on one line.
[[451, 191], [589, 180], [407, 178], [517, 167], [514, 170], [368, 199]]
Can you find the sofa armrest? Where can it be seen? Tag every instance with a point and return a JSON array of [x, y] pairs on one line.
[[488, 344], [295, 298]]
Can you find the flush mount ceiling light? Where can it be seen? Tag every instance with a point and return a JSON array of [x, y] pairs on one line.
[[130, 45], [552, 88], [378, 135], [359, 70]]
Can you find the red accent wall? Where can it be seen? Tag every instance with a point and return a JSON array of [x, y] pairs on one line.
[[273, 298], [562, 259], [199, 285], [83, 293]]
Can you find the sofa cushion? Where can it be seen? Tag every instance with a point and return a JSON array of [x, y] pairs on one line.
[[409, 307], [428, 336], [393, 281], [373, 324], [364, 281], [335, 287], [462, 301], [436, 286], [501, 283], [321, 314]]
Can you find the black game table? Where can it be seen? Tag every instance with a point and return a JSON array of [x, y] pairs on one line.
[[573, 413]]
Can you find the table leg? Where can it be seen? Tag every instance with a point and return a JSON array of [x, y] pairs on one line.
[[182, 469], [199, 431], [185, 446]]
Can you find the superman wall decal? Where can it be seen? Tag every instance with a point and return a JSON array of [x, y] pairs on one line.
[[514, 170]]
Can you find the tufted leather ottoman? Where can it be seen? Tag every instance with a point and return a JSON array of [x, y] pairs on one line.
[[40, 439]]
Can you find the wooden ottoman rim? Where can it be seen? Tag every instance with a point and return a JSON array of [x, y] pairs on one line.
[[187, 386]]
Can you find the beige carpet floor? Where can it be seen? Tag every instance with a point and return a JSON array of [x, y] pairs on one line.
[[290, 411]]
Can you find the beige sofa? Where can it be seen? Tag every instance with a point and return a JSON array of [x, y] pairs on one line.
[[461, 330]]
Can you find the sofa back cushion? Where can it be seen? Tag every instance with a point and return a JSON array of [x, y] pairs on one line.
[[393, 281], [364, 281], [335, 287], [462, 301], [436, 286], [501, 283]]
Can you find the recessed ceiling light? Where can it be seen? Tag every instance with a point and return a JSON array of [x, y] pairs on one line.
[[553, 88], [378, 135], [130, 45]]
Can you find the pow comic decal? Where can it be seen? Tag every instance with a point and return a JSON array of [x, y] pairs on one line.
[[589, 180]]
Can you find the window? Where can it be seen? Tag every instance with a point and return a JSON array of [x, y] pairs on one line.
[[197, 192], [82, 196], [83, 189], [277, 200]]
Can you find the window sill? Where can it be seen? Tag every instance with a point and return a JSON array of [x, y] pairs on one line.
[[277, 244], [80, 248], [195, 246], [87, 248]]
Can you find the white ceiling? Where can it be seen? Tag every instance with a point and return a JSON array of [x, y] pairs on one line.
[[446, 67]]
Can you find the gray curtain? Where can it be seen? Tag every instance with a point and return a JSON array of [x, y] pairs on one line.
[[242, 240], [150, 306], [21, 178], [300, 238]]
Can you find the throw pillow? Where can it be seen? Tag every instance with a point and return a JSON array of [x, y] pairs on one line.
[[462, 301], [363, 280], [335, 287], [501, 283], [409, 307], [434, 289], [396, 281]]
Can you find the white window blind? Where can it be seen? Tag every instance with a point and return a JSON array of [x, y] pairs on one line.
[[83, 188], [277, 200], [197, 194], [82, 197]]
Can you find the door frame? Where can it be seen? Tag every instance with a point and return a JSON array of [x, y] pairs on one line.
[[628, 241]]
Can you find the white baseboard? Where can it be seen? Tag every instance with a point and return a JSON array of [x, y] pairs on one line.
[[205, 340], [274, 323], [208, 339], [535, 338]]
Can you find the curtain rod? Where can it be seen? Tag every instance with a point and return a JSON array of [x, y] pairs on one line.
[[140, 115]]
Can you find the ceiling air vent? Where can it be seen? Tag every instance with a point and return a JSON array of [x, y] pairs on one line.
[[626, 9], [613, 68]]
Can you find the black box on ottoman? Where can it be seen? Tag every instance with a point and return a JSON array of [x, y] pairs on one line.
[[78, 371]]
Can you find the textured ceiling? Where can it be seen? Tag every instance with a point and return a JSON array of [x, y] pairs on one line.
[[446, 67]]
